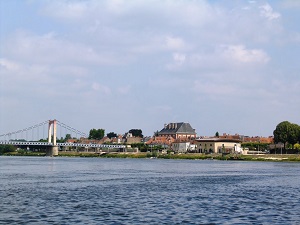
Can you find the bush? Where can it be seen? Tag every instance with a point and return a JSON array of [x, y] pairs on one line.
[[152, 154], [7, 148]]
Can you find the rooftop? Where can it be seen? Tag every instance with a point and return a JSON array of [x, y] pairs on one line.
[[173, 128], [217, 140]]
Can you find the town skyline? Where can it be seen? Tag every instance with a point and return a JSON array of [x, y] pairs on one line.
[[222, 66], [216, 134]]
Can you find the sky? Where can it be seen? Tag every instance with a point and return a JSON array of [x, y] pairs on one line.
[[222, 66]]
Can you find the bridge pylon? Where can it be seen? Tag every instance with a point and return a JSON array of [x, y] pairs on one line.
[[53, 150]]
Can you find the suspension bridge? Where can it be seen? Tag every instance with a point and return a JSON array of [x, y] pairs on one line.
[[45, 135]]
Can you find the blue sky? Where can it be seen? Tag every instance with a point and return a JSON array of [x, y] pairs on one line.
[[226, 66]]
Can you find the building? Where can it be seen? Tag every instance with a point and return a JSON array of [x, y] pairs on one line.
[[257, 139], [128, 138], [243, 138], [182, 131], [183, 146], [218, 145], [133, 140], [164, 142]]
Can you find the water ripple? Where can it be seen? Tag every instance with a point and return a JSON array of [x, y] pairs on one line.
[[137, 191]]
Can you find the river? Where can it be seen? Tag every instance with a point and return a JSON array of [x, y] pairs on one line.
[[42, 190]]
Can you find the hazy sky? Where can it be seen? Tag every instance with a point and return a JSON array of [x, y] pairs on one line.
[[226, 66]]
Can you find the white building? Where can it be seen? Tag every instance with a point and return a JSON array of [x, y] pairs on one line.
[[218, 145], [182, 147]]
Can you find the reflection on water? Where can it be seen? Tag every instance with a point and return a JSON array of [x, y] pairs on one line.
[[51, 165], [143, 191]]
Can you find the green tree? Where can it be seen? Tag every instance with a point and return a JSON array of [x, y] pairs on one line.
[[43, 140], [7, 148], [68, 136], [297, 146], [287, 132], [141, 146], [111, 135], [281, 132], [136, 132], [217, 134], [293, 135], [254, 145], [96, 134]]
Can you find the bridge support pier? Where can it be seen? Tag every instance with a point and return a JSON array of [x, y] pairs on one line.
[[52, 151]]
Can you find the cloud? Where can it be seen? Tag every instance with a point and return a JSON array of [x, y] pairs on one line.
[[86, 52], [112, 24], [68, 10], [8, 65], [179, 58], [239, 53], [190, 12], [223, 57], [15, 72], [101, 88], [175, 43], [49, 48], [268, 12]]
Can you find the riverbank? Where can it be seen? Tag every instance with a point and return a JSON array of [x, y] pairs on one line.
[[190, 156]]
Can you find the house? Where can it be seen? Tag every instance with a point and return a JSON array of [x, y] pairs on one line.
[[183, 131], [164, 142], [116, 140], [218, 145], [72, 140], [132, 140], [257, 139], [128, 138], [243, 138]]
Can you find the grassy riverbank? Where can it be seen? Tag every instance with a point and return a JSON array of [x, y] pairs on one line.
[[25, 153], [191, 156]]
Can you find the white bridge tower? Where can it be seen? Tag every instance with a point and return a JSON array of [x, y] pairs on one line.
[[53, 151]]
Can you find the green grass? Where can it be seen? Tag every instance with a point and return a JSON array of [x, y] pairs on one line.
[[189, 156], [25, 154]]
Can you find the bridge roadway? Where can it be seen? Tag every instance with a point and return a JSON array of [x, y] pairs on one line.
[[60, 144]]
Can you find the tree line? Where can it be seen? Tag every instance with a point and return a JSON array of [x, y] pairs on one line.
[[98, 134], [287, 133], [95, 134]]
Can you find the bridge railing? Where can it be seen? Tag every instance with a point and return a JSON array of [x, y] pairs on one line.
[[90, 145], [60, 144], [25, 143]]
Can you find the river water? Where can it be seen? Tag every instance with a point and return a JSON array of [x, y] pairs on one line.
[[41, 190]]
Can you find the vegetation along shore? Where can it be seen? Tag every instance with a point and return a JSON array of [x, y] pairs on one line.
[[155, 155]]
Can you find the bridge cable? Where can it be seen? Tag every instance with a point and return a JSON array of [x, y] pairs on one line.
[[77, 132], [15, 133]]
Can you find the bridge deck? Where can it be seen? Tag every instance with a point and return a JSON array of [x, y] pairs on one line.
[[60, 144]]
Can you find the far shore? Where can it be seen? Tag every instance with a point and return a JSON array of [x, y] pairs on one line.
[[154, 155]]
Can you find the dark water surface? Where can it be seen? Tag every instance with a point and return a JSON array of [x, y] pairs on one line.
[[147, 191]]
